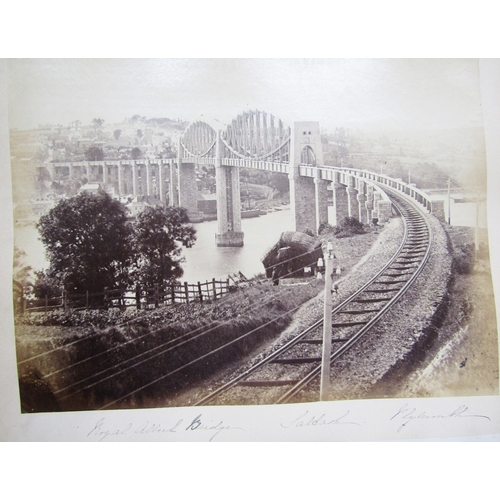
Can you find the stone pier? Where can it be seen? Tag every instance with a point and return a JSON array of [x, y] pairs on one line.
[[188, 191], [340, 201], [369, 202], [363, 213], [229, 233], [384, 211], [352, 196]]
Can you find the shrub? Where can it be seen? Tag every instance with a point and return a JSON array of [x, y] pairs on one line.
[[463, 260], [325, 228], [348, 227]]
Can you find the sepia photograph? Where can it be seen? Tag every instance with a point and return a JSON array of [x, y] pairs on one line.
[[250, 233]]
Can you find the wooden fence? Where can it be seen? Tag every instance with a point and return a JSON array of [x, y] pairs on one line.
[[139, 297]]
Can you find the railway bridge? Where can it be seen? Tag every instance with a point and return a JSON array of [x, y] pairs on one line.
[[254, 140]]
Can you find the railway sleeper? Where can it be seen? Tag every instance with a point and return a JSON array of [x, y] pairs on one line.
[[379, 299], [348, 323], [267, 383], [296, 360], [362, 311], [319, 341]]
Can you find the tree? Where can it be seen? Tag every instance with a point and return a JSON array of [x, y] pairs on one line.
[[21, 271], [117, 133], [94, 153], [159, 233], [140, 134], [135, 153], [88, 243], [97, 122], [45, 285]]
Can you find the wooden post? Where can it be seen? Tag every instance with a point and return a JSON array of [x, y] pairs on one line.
[[214, 288], [200, 292], [157, 295], [327, 325], [138, 297], [186, 291], [105, 297], [172, 292], [86, 299], [64, 299], [227, 286]]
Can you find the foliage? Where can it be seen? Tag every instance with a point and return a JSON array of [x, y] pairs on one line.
[[94, 153], [21, 271], [463, 259], [97, 122], [158, 232], [88, 242], [46, 285], [98, 318], [280, 182], [348, 227], [325, 228], [117, 133], [135, 153]]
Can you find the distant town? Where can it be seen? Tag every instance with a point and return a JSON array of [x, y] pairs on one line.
[[428, 159]]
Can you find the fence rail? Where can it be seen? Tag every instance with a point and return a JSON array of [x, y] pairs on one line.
[[138, 297]]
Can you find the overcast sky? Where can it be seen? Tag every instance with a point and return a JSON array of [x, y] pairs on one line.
[[405, 94]]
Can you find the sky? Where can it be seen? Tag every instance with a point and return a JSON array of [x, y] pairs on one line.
[[393, 94]]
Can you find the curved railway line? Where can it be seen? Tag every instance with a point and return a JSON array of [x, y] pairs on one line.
[[299, 360], [292, 368]]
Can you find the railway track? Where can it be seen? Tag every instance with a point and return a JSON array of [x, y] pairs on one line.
[[282, 376]]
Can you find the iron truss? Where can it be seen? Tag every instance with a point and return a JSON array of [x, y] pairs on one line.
[[257, 135], [199, 139], [253, 135]]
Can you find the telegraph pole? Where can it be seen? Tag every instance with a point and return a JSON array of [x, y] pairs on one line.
[[327, 325]]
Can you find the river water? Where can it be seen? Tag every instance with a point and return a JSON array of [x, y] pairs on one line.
[[205, 261]]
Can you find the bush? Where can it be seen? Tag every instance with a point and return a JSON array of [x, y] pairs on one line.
[[463, 260], [349, 227], [325, 228]]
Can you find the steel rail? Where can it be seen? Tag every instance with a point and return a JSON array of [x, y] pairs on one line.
[[355, 338], [406, 238]]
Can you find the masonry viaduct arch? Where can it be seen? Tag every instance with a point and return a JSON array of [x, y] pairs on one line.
[[255, 140]]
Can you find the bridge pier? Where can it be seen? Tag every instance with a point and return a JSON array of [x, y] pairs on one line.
[[188, 191], [384, 211], [303, 203], [321, 197], [363, 212], [352, 196], [340, 200], [229, 233], [369, 203]]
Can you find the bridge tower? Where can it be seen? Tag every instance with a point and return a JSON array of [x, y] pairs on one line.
[[308, 196]]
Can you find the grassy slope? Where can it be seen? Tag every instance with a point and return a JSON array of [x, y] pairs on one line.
[[464, 362], [234, 315]]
